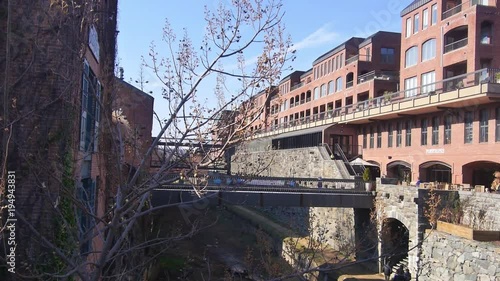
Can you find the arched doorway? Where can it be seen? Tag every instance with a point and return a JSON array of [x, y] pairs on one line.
[[479, 172], [400, 170], [435, 171], [395, 241]]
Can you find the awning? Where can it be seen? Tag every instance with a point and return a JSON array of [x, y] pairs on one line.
[[302, 132], [360, 162]]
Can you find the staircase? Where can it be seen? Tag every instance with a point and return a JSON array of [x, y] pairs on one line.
[[339, 153], [403, 262]]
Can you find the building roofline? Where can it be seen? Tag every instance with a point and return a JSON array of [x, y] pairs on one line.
[[290, 75], [336, 49], [368, 40], [413, 6], [125, 83]]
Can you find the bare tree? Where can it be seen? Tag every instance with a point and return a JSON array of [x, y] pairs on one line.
[[244, 51]]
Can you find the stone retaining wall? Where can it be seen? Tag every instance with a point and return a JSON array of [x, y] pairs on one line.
[[481, 210], [447, 257]]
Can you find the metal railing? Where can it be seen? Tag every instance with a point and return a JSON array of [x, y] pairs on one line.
[[456, 45], [381, 75], [351, 59], [350, 169], [450, 84], [455, 10], [296, 86]]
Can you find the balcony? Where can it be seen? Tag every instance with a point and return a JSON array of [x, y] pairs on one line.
[[296, 86], [358, 58], [351, 59], [469, 89], [450, 12], [456, 45], [380, 75]]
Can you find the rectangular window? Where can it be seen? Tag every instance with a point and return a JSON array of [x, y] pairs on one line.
[[379, 137], [497, 127], [434, 15], [468, 127], [389, 135], [408, 27], [387, 55], [86, 195], [427, 82], [411, 87], [483, 125], [364, 138], [341, 60], [416, 23], [408, 133], [435, 130], [399, 134], [90, 110], [372, 138], [368, 54], [425, 19], [423, 128], [447, 129]]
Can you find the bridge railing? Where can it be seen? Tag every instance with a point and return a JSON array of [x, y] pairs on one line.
[[238, 180]]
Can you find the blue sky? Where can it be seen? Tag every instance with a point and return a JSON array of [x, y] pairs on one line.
[[315, 26]]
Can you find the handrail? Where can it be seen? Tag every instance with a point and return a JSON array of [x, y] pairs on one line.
[[450, 12], [485, 76], [350, 169], [456, 45]]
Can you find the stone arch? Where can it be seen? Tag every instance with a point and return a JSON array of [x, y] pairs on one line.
[[479, 172], [395, 241], [435, 171]]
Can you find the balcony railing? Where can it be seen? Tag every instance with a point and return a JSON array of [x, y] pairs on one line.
[[455, 10], [296, 86], [381, 75], [358, 57], [349, 84], [447, 85], [456, 45], [351, 59]]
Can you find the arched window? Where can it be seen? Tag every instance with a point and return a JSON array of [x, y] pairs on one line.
[[411, 56], [316, 93], [429, 49], [339, 84], [331, 87], [323, 90]]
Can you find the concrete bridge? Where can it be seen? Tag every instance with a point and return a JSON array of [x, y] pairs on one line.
[[265, 196]]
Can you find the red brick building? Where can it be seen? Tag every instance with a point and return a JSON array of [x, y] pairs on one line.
[[411, 103], [134, 108], [59, 64]]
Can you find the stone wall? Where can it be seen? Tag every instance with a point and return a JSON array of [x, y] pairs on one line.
[[447, 257], [336, 225], [481, 210], [301, 162], [398, 202]]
